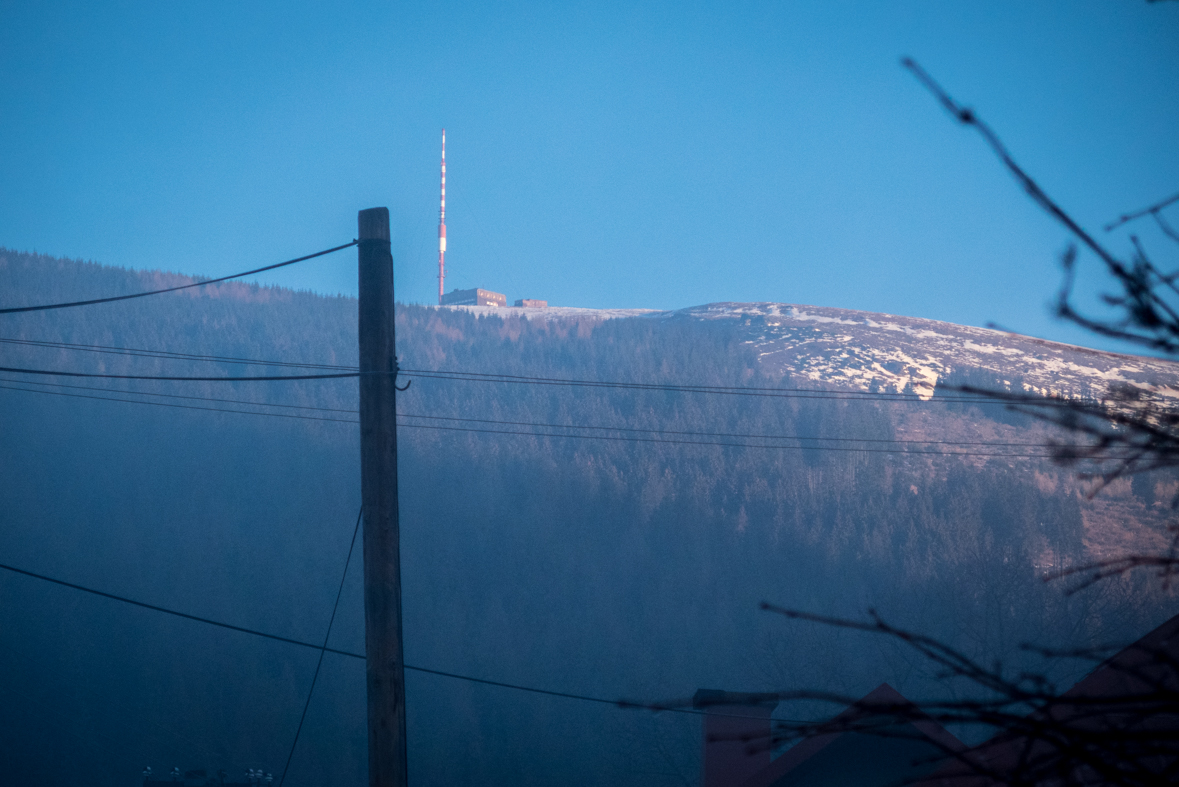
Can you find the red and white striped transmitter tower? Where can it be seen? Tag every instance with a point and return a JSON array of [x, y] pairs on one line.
[[442, 226]]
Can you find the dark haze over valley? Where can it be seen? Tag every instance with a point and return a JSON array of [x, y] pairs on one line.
[[604, 567]]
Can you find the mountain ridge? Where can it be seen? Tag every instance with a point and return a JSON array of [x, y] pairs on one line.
[[796, 338], [856, 349]]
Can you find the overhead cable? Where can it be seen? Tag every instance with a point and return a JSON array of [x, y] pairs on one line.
[[178, 406], [736, 435], [839, 449], [609, 438], [181, 378], [448, 374], [322, 650], [170, 355], [586, 427], [185, 615], [743, 390], [102, 389], [348, 653], [774, 393], [45, 307], [777, 393]]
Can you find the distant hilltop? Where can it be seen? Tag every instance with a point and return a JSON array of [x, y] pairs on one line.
[[867, 350], [874, 351], [858, 350]]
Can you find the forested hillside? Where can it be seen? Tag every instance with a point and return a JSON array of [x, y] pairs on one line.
[[610, 562]]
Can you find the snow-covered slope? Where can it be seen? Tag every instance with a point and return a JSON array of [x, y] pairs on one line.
[[871, 351], [865, 349]]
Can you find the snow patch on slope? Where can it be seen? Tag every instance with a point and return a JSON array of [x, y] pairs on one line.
[[869, 351]]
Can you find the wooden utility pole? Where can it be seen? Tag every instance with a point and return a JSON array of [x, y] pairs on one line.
[[378, 489]]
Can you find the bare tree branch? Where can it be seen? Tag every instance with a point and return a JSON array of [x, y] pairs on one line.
[[1150, 320], [1152, 210]]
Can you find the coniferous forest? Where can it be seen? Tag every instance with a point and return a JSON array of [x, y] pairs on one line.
[[615, 567]]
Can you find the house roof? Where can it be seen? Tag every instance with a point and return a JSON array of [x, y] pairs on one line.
[[892, 754], [1130, 697], [1124, 705]]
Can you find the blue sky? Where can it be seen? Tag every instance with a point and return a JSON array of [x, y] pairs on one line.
[[656, 155]]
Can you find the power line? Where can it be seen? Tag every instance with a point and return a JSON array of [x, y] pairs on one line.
[[170, 355], [179, 406], [732, 390], [779, 393], [741, 390], [737, 435], [774, 393], [732, 445], [184, 396], [325, 649], [165, 610], [593, 427], [326, 637], [446, 374], [599, 437], [56, 373], [44, 307]]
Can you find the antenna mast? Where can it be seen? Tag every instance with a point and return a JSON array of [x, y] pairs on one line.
[[442, 226]]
